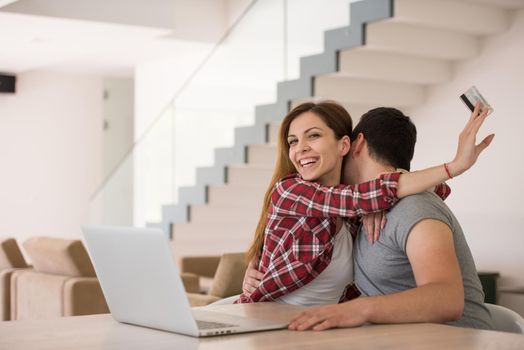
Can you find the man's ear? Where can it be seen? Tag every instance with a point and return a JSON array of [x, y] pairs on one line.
[[345, 144], [358, 144]]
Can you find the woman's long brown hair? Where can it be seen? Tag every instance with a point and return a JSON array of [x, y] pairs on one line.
[[336, 118]]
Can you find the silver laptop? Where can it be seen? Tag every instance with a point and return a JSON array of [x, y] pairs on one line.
[[142, 285]]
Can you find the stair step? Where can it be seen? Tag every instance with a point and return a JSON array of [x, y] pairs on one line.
[[262, 154], [208, 245], [244, 195], [368, 92], [232, 212], [245, 175], [464, 17], [368, 64], [212, 238], [355, 110], [393, 37], [220, 230]]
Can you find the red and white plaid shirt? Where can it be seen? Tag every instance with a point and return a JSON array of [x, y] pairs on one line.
[[301, 229]]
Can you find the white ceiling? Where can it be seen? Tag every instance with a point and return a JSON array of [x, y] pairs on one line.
[[36, 38]]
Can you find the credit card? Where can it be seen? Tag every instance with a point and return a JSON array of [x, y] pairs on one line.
[[472, 96]]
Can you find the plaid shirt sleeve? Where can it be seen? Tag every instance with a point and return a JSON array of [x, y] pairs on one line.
[[351, 292], [443, 191], [294, 196], [281, 281]]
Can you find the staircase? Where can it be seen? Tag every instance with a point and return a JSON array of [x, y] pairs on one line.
[[392, 52]]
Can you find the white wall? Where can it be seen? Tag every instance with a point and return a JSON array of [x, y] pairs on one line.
[[115, 200], [118, 114], [157, 82], [488, 199], [50, 138]]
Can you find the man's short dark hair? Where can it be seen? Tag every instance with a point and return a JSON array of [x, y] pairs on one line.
[[391, 136]]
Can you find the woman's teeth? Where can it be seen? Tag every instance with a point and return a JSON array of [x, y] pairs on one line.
[[306, 162]]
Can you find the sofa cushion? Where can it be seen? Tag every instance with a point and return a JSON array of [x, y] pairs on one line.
[[229, 275], [10, 254], [36, 296], [5, 295], [59, 256], [83, 296], [191, 282], [5, 291], [203, 266]]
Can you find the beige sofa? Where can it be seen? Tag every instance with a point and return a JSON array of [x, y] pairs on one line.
[[11, 259], [226, 274], [62, 283]]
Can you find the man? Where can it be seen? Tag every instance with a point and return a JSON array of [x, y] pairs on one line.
[[420, 269]]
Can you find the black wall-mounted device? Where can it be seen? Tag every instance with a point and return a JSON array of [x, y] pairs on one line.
[[7, 83]]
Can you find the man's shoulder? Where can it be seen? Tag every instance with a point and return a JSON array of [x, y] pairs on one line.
[[424, 205], [419, 206], [409, 211], [420, 199]]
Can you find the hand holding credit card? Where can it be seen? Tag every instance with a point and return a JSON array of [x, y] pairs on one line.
[[472, 96]]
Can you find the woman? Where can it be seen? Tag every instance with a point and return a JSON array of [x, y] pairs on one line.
[[301, 245]]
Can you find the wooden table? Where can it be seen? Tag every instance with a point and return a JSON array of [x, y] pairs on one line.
[[102, 332]]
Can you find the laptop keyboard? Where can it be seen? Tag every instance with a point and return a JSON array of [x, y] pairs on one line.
[[213, 325]]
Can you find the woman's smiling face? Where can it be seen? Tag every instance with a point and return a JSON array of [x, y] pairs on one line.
[[314, 150]]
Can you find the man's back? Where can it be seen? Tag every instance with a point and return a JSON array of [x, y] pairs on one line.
[[384, 267]]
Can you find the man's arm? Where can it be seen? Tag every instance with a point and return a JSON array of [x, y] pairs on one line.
[[438, 297]]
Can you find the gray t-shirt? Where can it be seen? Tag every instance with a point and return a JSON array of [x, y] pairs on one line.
[[384, 268]]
